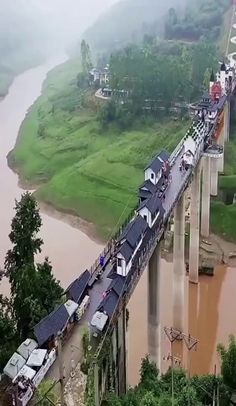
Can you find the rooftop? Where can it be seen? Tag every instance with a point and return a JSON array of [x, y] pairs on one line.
[[126, 251], [114, 291], [14, 365], [26, 348], [99, 320], [51, 325], [77, 288], [36, 358], [157, 163], [133, 231], [153, 204], [27, 372]]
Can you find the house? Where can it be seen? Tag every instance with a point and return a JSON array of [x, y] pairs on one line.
[[77, 290], [37, 358], [14, 365], [151, 209], [106, 92], [129, 243], [103, 76], [156, 168], [27, 347], [109, 303], [59, 321], [94, 74]]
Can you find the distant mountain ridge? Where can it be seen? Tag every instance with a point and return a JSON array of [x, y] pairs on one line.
[[128, 21]]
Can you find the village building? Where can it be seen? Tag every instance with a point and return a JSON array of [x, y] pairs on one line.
[[151, 209], [102, 76], [128, 244], [108, 305], [156, 175], [154, 170], [78, 289], [61, 320], [27, 347]]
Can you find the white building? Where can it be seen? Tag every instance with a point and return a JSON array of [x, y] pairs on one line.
[[155, 169], [151, 209], [129, 243]]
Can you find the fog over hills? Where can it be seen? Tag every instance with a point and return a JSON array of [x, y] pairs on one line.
[[129, 20], [32, 30]]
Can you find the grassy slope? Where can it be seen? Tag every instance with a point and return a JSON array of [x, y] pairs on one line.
[[85, 170]]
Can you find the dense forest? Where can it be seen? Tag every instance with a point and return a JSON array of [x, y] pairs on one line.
[[157, 77]]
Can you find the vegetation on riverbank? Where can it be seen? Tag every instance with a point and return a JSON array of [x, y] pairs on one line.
[[175, 387], [87, 156], [34, 290], [88, 169]]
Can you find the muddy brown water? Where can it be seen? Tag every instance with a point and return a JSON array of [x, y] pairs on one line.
[[69, 249], [209, 317], [209, 306]]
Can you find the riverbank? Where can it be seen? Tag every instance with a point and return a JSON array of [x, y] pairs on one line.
[[81, 167], [14, 65]]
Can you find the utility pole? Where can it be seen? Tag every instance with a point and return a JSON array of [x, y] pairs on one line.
[[190, 342], [172, 336], [61, 368]]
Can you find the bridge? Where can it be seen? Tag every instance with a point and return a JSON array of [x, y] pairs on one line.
[[198, 159]]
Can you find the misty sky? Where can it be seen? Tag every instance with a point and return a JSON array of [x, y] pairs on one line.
[[63, 19], [73, 15]]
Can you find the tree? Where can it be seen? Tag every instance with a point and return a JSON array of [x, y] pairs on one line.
[[24, 228], [46, 393], [228, 362], [85, 57], [35, 292], [188, 397], [7, 331], [148, 400]]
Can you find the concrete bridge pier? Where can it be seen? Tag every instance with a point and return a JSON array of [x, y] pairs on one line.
[[224, 136], [205, 206], [194, 225], [214, 176], [179, 265], [154, 326], [226, 122], [121, 353]]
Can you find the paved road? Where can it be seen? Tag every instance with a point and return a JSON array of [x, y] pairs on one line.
[[72, 348], [177, 181]]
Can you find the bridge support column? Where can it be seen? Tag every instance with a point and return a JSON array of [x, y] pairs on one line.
[[221, 142], [194, 226], [214, 176], [206, 184], [179, 265], [121, 350], [226, 123], [154, 327]]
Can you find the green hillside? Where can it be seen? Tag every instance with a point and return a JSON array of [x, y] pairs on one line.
[[88, 156]]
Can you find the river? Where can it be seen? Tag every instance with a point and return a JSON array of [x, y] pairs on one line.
[[209, 306], [70, 250]]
